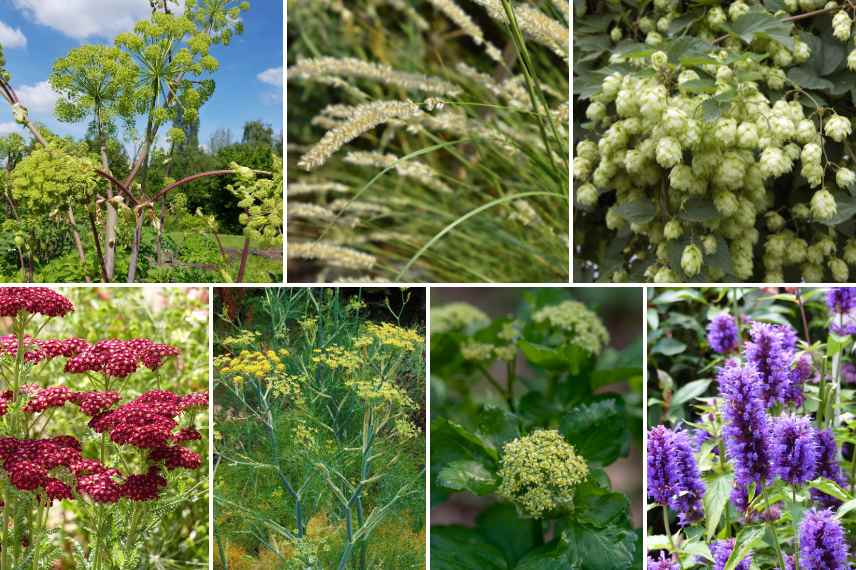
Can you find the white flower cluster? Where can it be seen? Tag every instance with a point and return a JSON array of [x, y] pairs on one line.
[[656, 146]]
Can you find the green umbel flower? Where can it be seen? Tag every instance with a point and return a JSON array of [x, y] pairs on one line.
[[539, 473], [581, 325]]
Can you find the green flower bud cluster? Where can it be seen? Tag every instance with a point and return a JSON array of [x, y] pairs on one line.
[[50, 178], [703, 165], [579, 325], [539, 473], [457, 317], [262, 202]]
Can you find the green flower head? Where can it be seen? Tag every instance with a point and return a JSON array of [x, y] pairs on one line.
[[581, 326], [539, 473], [461, 317]]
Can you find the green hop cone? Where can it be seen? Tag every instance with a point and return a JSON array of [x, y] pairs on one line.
[[691, 260], [823, 206], [539, 474]]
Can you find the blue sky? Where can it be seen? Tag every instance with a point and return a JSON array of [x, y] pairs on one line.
[[34, 33]]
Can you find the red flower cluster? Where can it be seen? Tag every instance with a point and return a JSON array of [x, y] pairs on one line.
[[112, 357], [144, 487], [120, 357], [148, 421], [40, 399], [5, 398], [35, 300], [28, 462]]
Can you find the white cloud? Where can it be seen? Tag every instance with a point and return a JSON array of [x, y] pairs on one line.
[[272, 76], [9, 128], [12, 37], [81, 19], [38, 98]]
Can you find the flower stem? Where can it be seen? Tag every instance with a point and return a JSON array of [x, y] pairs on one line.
[[772, 531], [671, 538]]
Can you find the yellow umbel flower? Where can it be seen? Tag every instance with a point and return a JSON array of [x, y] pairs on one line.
[[580, 325], [539, 473]]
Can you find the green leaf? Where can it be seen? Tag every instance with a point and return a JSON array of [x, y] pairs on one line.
[[758, 23], [678, 295], [846, 508], [689, 391], [461, 548], [598, 430], [699, 210], [830, 488], [806, 77], [543, 356], [686, 47], [590, 548], [636, 211], [497, 425], [669, 347], [467, 475], [745, 541], [551, 556], [716, 498], [502, 527], [600, 507]]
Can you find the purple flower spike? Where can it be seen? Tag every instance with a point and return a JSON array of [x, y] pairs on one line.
[[827, 466], [841, 300], [802, 371], [771, 351], [722, 333], [848, 373], [721, 550], [746, 432], [662, 563], [795, 450], [842, 304], [673, 476], [822, 543]]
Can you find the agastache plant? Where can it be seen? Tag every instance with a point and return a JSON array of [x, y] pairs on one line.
[[117, 472], [764, 482]]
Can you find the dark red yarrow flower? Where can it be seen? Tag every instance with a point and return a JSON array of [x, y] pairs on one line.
[[53, 397], [56, 490], [26, 475], [194, 400], [120, 357], [143, 487], [35, 300], [187, 434], [5, 398], [94, 403], [174, 457], [100, 487]]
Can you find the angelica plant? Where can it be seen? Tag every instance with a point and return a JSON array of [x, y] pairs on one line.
[[537, 442], [119, 464], [715, 145], [320, 445], [759, 473], [440, 125]]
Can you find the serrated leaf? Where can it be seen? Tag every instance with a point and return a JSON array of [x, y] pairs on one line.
[[805, 77], [460, 548], [716, 496], [467, 475], [757, 23], [598, 430]]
